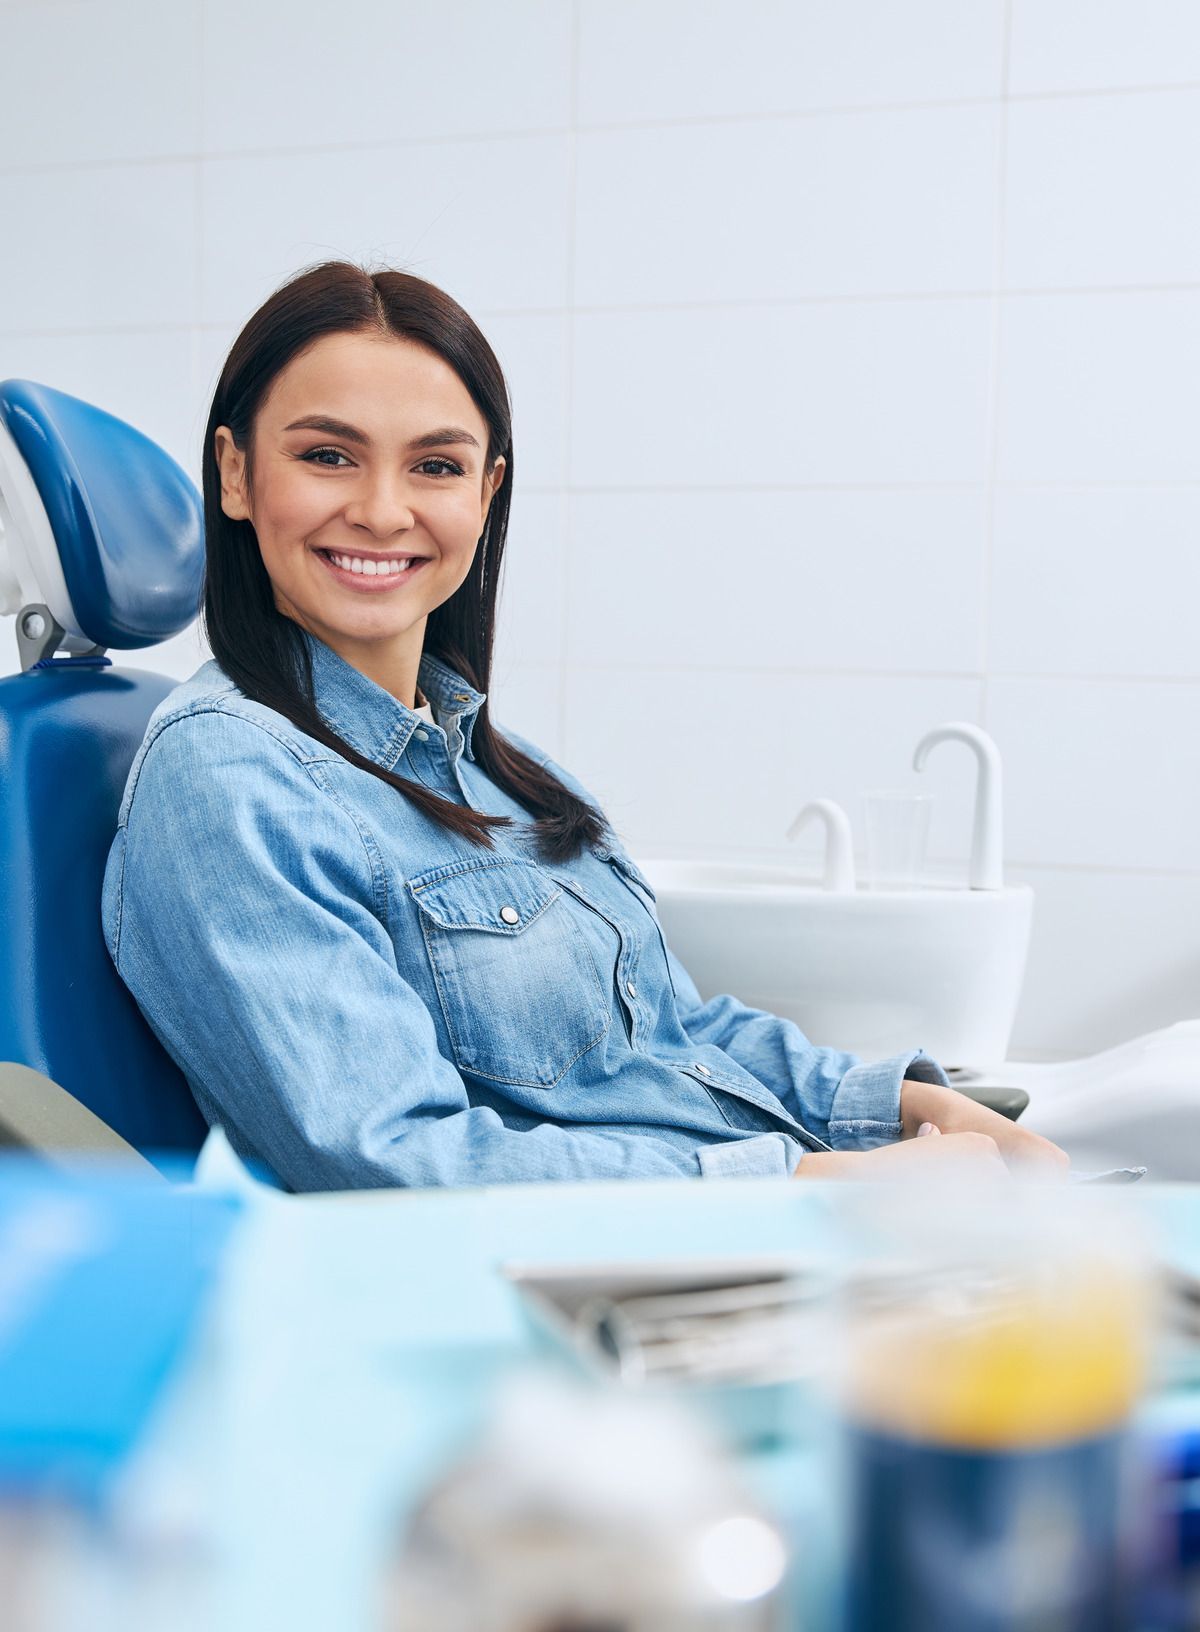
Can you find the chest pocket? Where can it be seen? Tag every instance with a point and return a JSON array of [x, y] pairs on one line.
[[518, 985]]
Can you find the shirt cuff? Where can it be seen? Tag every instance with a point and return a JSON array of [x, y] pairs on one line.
[[866, 1107], [765, 1156]]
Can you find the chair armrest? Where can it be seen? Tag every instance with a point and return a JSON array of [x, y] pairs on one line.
[[39, 1116], [1010, 1102]]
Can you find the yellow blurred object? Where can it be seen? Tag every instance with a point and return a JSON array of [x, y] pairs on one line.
[[996, 1348], [1050, 1358]]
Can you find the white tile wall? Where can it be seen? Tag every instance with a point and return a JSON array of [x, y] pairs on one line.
[[84, 82], [1096, 193], [1096, 581], [526, 699], [534, 350], [780, 209], [1113, 954], [434, 209], [1103, 773], [531, 628], [655, 60], [816, 394], [100, 246], [1100, 387], [747, 572], [312, 76], [1084, 45], [853, 350]]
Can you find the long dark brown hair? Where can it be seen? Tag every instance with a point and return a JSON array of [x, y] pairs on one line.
[[264, 652]]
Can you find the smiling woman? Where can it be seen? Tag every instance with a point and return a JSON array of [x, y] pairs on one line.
[[357, 482], [395, 945], [362, 541]]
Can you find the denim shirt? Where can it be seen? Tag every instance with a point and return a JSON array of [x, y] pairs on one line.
[[361, 997]]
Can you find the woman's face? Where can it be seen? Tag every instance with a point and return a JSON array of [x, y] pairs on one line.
[[369, 495]]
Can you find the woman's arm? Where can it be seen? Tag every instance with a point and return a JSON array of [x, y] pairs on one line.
[[245, 911], [852, 1103], [855, 1105], [860, 1098]]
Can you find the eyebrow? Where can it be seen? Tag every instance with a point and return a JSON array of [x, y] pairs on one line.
[[350, 433]]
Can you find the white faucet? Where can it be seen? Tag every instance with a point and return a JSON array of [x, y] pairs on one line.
[[839, 843], [987, 843]]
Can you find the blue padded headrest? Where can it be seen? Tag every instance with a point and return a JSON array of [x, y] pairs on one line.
[[127, 519]]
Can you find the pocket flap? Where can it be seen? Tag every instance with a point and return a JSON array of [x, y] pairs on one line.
[[501, 897]]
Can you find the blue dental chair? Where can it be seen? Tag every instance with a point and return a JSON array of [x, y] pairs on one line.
[[101, 546]]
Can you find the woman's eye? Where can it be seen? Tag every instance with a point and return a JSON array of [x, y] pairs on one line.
[[314, 457], [440, 467]]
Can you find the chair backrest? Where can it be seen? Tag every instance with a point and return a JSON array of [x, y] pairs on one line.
[[101, 545]]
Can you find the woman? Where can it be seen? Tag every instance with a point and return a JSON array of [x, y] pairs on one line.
[[387, 943]]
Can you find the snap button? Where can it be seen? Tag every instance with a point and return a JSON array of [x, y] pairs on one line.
[[421, 736], [704, 1071], [510, 915], [631, 988]]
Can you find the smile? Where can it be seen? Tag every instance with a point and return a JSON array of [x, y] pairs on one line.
[[374, 572]]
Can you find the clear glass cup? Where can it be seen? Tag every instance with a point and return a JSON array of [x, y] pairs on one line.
[[897, 834]]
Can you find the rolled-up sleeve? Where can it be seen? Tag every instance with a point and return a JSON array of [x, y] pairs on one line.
[[245, 909]]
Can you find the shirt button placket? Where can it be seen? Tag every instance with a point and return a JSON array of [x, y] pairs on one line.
[[629, 994]]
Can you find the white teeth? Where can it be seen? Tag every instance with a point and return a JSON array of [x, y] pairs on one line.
[[372, 568]]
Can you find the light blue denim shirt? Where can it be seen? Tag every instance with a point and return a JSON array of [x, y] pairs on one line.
[[360, 997]]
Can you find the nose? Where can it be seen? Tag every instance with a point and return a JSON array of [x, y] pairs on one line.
[[381, 505]]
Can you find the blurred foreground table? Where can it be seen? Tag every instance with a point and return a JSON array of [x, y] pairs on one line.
[[353, 1341]]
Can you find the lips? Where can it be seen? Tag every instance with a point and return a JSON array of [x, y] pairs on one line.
[[369, 578]]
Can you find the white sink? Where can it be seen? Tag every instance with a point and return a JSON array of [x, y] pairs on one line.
[[874, 972]]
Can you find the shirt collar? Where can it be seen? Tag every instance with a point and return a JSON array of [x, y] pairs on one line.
[[374, 722]]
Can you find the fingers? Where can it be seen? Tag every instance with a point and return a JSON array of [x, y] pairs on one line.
[[1034, 1153], [980, 1149]]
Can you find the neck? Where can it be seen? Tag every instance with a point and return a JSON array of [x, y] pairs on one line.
[[392, 664]]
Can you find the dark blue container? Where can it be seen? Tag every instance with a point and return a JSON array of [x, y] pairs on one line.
[[946, 1539], [1171, 1592]]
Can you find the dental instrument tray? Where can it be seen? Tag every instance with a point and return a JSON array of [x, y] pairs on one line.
[[732, 1333]]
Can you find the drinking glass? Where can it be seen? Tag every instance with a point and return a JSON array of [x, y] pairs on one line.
[[897, 833]]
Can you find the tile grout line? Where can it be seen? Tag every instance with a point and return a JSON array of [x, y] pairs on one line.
[[846, 110], [567, 509], [995, 370], [879, 297], [891, 675], [198, 274]]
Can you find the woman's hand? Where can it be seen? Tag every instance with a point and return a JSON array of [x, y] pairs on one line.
[[951, 1112], [971, 1136], [975, 1153]]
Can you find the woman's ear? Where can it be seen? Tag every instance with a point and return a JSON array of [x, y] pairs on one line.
[[491, 486], [231, 462]]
